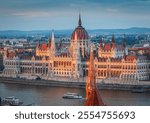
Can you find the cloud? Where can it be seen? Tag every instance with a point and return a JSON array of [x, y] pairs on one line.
[[32, 5], [32, 14], [58, 12]]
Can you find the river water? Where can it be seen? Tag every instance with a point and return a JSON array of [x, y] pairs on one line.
[[52, 96]]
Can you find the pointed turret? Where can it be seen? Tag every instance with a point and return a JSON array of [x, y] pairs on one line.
[[79, 22], [113, 41], [124, 41], [124, 44], [49, 42], [52, 43], [38, 45], [101, 42]]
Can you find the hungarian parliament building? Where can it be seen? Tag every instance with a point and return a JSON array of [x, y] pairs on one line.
[[110, 60]]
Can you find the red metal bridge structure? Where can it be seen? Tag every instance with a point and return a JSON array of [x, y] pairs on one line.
[[93, 97]]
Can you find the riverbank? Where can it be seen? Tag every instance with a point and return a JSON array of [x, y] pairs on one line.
[[110, 86], [42, 82]]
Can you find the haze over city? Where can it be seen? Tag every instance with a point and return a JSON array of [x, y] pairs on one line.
[[63, 14]]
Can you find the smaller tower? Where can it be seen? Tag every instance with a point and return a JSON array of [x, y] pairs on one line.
[[124, 41], [113, 42], [38, 45], [124, 44], [101, 42], [52, 43], [49, 43]]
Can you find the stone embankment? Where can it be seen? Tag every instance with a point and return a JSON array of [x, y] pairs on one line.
[[114, 86]]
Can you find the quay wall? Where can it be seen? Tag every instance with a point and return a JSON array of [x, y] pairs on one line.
[[73, 84], [42, 82]]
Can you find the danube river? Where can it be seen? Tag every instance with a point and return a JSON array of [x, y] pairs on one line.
[[52, 96]]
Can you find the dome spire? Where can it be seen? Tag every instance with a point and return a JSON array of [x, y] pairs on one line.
[[79, 22]]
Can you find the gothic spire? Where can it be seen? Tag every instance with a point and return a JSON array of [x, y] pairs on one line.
[[79, 22], [38, 45], [101, 41], [53, 43], [124, 41], [49, 42], [124, 44], [113, 41]]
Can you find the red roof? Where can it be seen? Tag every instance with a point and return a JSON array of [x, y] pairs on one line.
[[130, 57], [107, 46], [44, 46], [80, 32]]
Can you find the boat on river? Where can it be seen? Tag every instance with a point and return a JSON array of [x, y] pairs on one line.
[[69, 95], [12, 101]]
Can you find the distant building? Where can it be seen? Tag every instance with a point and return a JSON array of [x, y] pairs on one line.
[[143, 48], [1, 45], [111, 60]]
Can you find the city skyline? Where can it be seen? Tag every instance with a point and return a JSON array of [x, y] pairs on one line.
[[58, 14]]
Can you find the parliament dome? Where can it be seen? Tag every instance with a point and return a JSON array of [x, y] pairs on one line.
[[79, 33]]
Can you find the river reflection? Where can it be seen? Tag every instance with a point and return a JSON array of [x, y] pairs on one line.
[[52, 96]]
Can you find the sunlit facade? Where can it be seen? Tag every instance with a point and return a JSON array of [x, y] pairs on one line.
[[112, 60]]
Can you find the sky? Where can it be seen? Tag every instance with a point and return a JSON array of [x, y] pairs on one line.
[[63, 14]]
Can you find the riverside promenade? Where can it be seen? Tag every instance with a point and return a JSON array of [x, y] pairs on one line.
[[113, 84]]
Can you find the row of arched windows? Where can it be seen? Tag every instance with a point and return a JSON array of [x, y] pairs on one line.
[[62, 63]]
